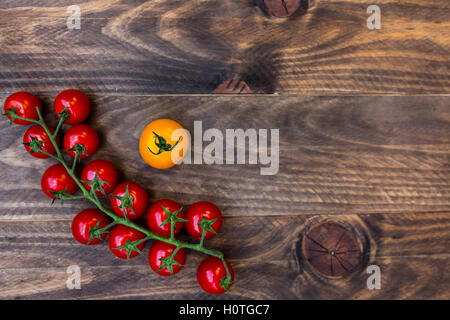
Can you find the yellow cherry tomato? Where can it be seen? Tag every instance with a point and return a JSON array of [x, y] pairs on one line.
[[163, 143]]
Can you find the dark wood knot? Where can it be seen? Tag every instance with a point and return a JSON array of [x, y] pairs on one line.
[[233, 86], [284, 8], [331, 249]]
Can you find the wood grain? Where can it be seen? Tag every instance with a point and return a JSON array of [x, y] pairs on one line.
[[411, 250], [378, 164], [142, 47], [337, 155]]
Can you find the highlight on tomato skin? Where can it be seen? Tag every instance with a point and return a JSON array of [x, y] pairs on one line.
[[56, 179], [162, 143], [86, 220], [38, 132], [75, 102], [25, 104]]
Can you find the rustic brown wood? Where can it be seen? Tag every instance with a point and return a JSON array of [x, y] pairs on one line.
[[377, 165], [411, 250], [193, 46], [337, 155]]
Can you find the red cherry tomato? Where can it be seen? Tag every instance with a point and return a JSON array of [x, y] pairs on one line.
[[84, 135], [210, 274], [39, 133], [156, 216], [25, 104], [195, 215], [86, 220], [77, 103], [139, 198], [161, 250], [105, 172], [119, 236], [56, 178]]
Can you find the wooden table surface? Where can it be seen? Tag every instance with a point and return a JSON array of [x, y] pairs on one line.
[[364, 120]]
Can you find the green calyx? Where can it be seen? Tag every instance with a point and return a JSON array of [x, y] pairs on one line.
[[169, 262], [126, 202], [79, 149], [130, 246], [63, 195], [172, 219], [64, 114], [35, 145], [63, 117], [171, 216], [96, 233], [226, 282], [162, 144], [96, 184], [11, 113], [206, 225], [59, 195]]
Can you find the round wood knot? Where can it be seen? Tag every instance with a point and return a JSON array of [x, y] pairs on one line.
[[281, 8], [284, 8], [331, 249], [233, 86]]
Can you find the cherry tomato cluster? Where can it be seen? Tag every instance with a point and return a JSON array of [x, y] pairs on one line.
[[210, 272], [129, 200]]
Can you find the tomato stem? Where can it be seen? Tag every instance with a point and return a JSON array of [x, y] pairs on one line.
[[162, 144], [64, 116], [75, 159]]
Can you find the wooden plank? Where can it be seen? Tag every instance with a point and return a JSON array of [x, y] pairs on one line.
[[338, 155], [411, 250], [143, 47]]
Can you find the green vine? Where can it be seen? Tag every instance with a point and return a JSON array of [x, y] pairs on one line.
[[96, 184]]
